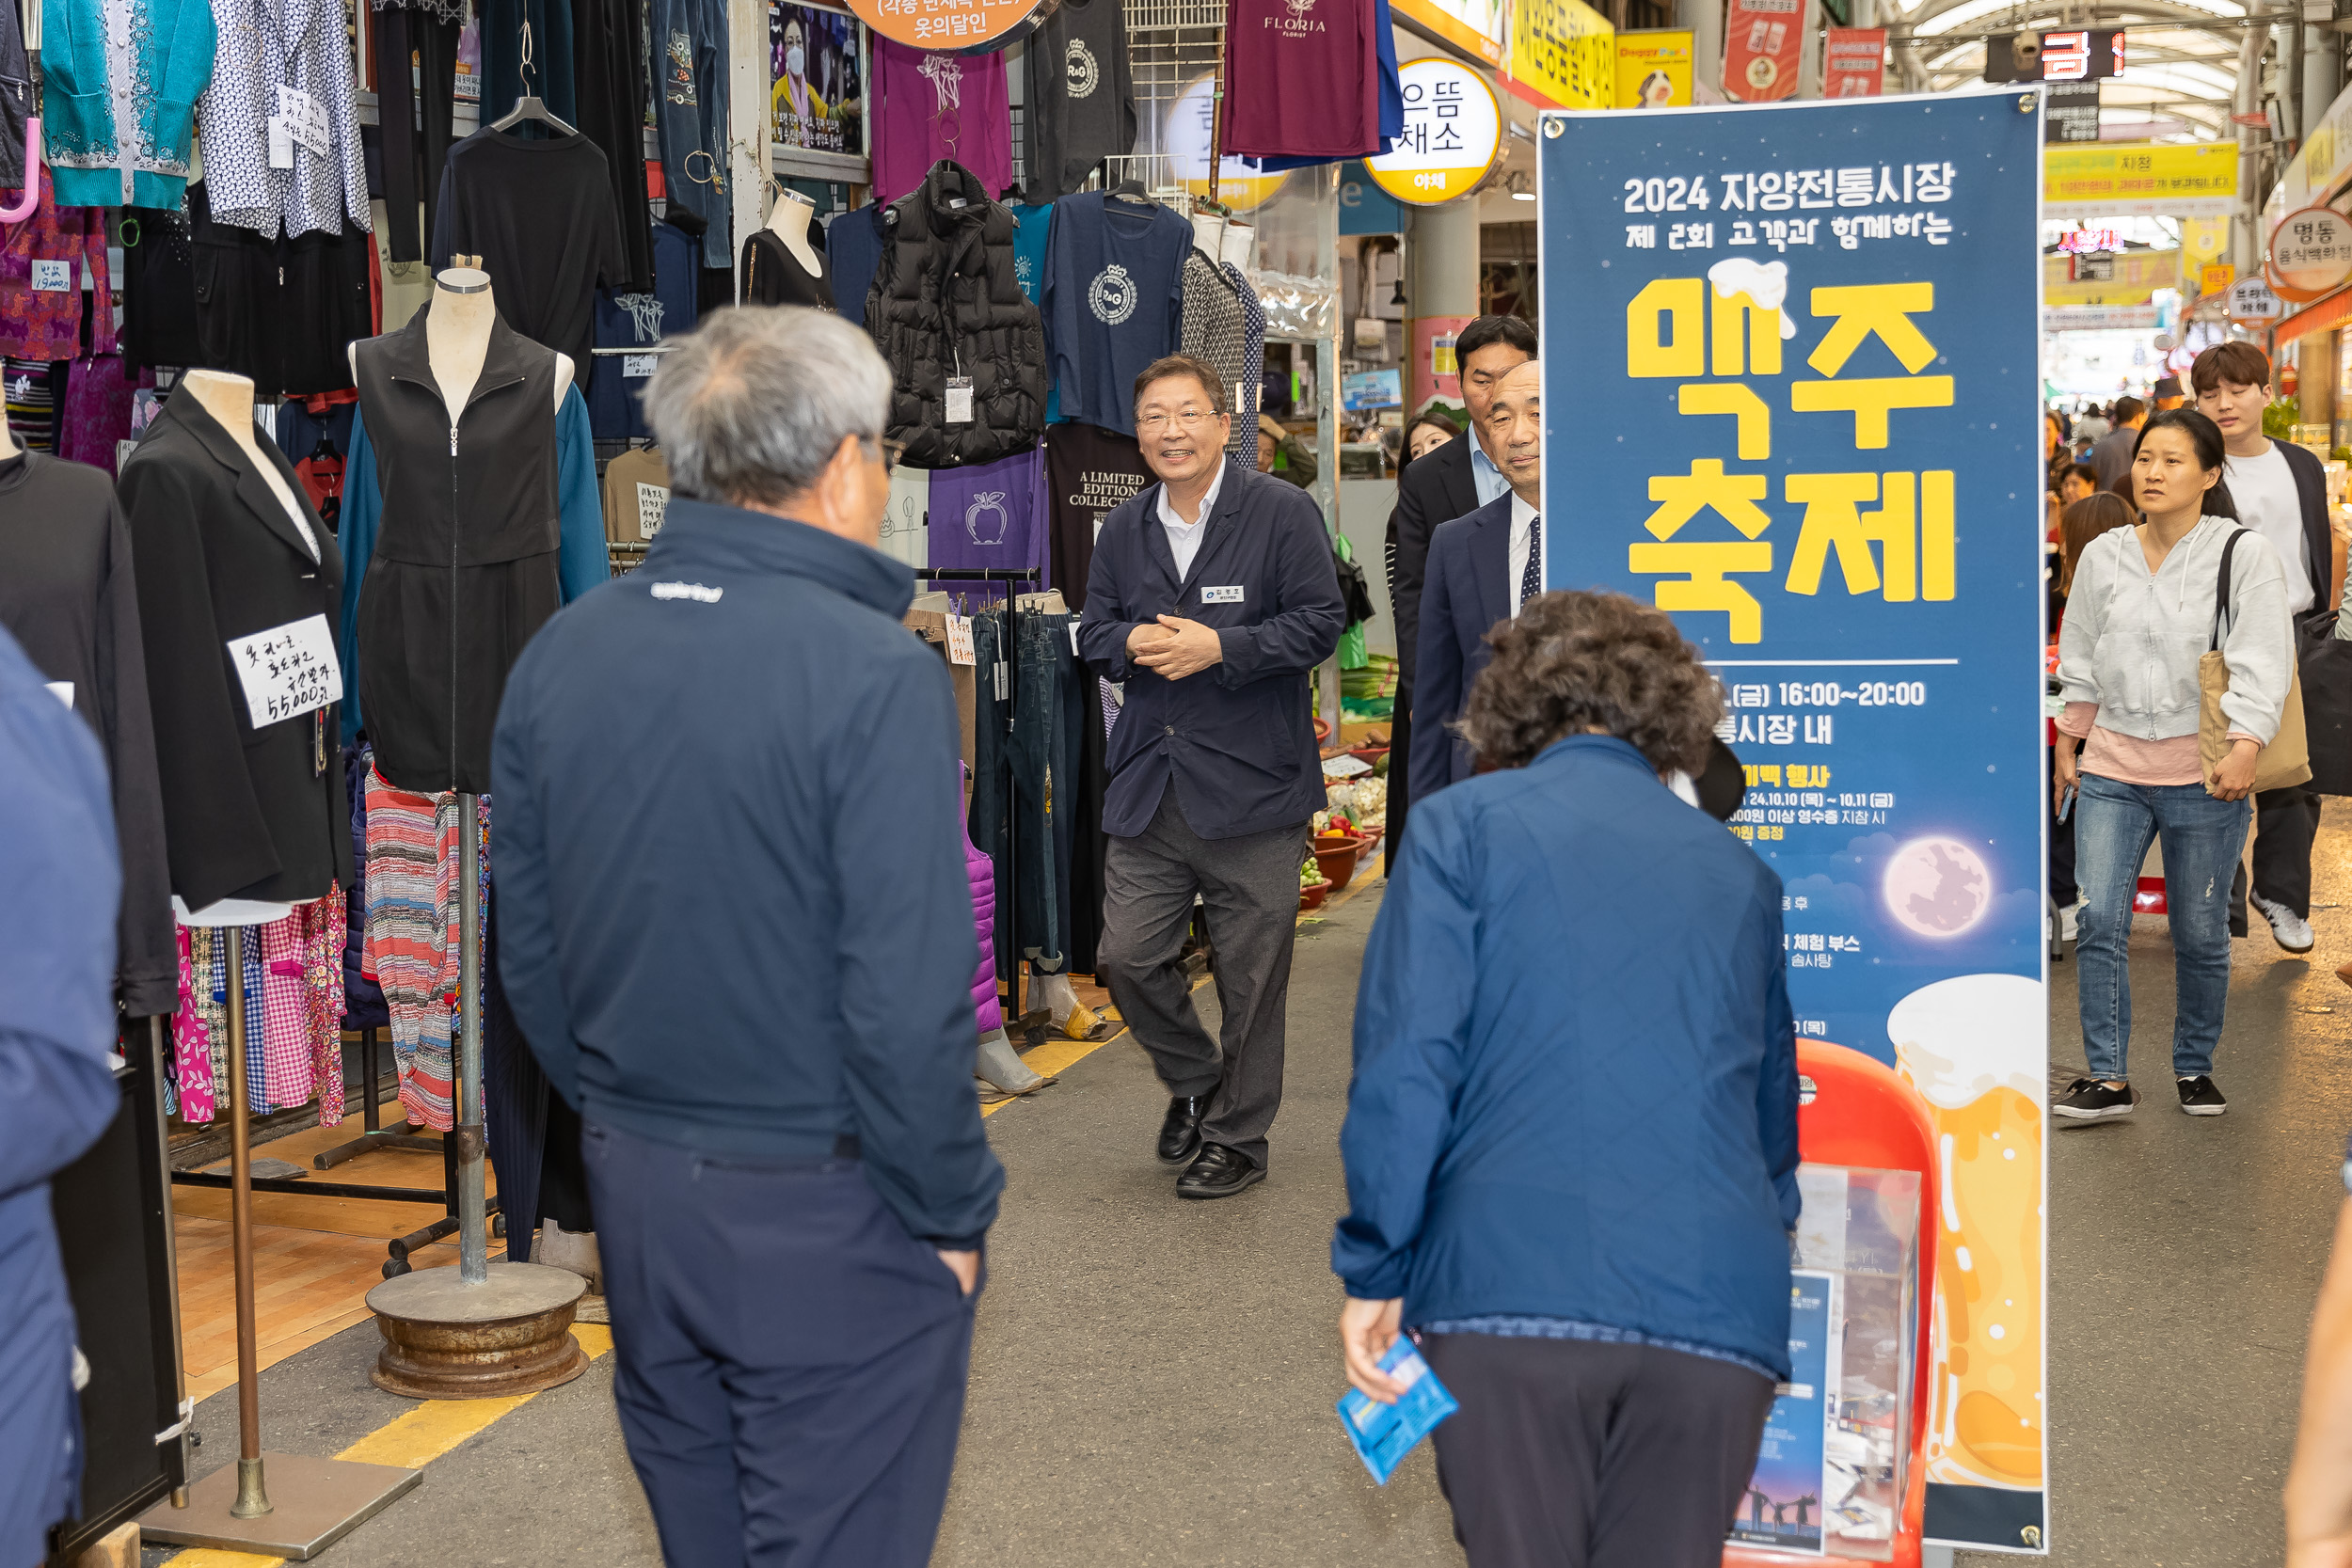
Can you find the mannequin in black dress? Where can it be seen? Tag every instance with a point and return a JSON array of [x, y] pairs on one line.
[[781, 265]]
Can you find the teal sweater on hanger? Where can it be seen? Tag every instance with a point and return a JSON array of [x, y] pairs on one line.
[[89, 145]]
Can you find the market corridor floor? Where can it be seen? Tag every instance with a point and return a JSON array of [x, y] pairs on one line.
[[1152, 1380]]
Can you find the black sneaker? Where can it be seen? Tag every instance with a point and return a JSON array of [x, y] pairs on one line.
[[2199, 1098], [2090, 1099]]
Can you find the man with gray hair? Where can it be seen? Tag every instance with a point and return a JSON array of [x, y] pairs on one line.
[[730, 771]]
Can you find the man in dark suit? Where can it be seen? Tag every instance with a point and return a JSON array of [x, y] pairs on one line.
[[1452, 482], [1482, 568], [1211, 596]]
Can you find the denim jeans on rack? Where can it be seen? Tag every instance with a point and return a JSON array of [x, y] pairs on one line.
[[2200, 838], [1010, 790]]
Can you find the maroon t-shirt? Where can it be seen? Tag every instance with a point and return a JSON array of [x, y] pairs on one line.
[[1274, 49]]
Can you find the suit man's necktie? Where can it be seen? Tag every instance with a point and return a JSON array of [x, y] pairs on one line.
[[1531, 580]]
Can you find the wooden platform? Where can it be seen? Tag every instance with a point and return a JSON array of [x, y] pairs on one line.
[[314, 1259]]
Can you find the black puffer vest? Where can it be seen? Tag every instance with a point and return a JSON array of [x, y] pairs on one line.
[[946, 302]]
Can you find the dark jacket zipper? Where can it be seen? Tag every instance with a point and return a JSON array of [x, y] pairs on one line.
[[471, 398]]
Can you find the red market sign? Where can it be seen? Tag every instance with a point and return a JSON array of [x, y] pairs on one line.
[[1853, 62], [1762, 39]]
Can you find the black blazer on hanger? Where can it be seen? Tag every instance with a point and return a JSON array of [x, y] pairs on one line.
[[247, 813]]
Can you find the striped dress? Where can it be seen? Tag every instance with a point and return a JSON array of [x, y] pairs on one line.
[[412, 936]]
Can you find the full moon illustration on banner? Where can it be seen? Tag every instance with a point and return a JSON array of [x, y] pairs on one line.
[[1937, 887]]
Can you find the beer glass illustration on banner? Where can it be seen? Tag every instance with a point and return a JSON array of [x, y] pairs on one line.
[[1987, 1363]]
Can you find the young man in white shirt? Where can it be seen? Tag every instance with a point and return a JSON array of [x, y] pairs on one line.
[[2281, 494]]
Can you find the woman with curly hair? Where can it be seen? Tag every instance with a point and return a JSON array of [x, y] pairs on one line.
[[1572, 1144]]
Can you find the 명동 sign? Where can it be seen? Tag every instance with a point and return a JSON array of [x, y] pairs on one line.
[[2310, 253]]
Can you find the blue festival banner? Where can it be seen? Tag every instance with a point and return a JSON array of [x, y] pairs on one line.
[[1791, 392]]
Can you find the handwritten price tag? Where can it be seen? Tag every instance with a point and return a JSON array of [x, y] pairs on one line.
[[304, 119], [653, 506], [287, 670], [959, 639]]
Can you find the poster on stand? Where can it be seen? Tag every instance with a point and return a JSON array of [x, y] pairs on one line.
[[1762, 40], [1783, 1506], [813, 62], [1785, 389]]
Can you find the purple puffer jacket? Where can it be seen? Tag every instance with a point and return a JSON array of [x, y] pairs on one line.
[[989, 1010]]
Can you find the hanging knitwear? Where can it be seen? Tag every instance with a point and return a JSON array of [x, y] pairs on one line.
[[204, 964], [287, 1053], [191, 1045], [412, 946], [326, 929], [256, 1031]]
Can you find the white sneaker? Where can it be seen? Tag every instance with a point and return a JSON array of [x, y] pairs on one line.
[[2068, 918], [2292, 932]]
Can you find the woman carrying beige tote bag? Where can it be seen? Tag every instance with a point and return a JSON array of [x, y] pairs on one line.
[[2152, 607]]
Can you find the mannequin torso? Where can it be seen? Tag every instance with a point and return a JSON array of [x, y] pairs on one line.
[[228, 399], [457, 335], [788, 221]]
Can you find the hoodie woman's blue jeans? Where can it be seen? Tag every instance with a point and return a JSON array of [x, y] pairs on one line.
[[2202, 837]]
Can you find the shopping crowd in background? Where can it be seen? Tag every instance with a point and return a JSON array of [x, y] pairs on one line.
[[794, 1222]]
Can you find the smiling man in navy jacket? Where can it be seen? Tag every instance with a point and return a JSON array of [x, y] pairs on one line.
[[1212, 596]]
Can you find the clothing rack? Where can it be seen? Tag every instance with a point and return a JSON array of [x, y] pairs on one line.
[[1009, 898], [397, 1137]]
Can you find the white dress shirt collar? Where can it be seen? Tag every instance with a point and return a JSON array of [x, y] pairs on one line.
[[1183, 539]]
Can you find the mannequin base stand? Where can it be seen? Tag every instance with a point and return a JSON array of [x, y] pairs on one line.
[[316, 1503], [446, 1339], [481, 1330]]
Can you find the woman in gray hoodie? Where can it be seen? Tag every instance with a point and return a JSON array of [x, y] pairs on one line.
[[2142, 611]]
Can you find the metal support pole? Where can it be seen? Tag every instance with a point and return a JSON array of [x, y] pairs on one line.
[[2246, 247], [155, 1057], [252, 1496], [473, 1227]]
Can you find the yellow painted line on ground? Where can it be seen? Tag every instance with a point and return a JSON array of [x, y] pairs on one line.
[[1060, 1055], [411, 1440]]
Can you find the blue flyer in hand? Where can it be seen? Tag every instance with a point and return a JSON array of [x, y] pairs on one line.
[[1385, 1434]]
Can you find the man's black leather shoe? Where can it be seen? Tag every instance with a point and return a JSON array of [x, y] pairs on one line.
[[1218, 1172], [1180, 1134]]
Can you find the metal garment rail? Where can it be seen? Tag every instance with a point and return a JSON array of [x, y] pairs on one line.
[[399, 1135], [1006, 898]]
